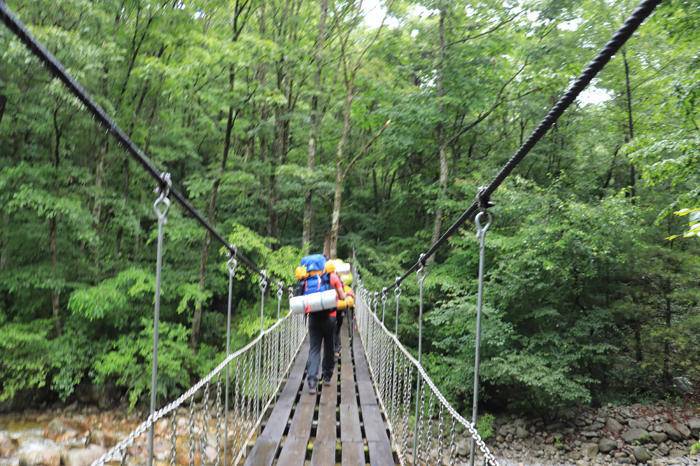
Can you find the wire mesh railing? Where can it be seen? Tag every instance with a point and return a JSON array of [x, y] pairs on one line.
[[429, 437], [195, 428]]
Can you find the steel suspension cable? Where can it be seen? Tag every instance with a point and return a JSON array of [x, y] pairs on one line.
[[641, 13], [57, 69]]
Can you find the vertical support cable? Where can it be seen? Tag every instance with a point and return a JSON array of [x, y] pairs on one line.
[[421, 280], [481, 236], [231, 266], [280, 292], [279, 362], [397, 294], [160, 206], [259, 347], [383, 303]]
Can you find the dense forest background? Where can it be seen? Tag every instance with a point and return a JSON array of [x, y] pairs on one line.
[[296, 125]]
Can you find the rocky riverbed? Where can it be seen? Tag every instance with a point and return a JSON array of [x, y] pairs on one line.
[[70, 437], [638, 434], [654, 435]]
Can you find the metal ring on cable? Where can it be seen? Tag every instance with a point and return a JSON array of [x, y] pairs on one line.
[[263, 281], [421, 268], [232, 263], [383, 295], [481, 229], [397, 288], [280, 290], [162, 203]]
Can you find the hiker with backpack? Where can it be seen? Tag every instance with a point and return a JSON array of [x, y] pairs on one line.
[[315, 275], [343, 270]]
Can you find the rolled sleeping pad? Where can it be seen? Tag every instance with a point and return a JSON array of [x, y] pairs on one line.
[[342, 267], [316, 301]]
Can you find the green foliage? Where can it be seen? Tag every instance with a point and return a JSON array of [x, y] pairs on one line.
[[127, 363], [26, 360], [485, 426], [695, 449], [586, 298], [116, 299]]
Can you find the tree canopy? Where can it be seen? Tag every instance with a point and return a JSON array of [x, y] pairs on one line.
[[300, 126]]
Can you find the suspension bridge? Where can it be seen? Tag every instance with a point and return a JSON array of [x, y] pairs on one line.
[[381, 406]]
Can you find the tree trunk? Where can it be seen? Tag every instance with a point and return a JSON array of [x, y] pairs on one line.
[[3, 102], [339, 175], [630, 122], [440, 136], [639, 356], [314, 130], [211, 214], [53, 231], [667, 343]]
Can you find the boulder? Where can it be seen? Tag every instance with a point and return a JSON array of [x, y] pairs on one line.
[[613, 426], [639, 423], [83, 456], [671, 431], [658, 437], [682, 429], [694, 426], [463, 447], [7, 445], [633, 436], [521, 432], [641, 454], [590, 450], [56, 428], [36, 454], [606, 445]]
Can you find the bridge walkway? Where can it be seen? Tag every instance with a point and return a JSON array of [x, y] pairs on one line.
[[342, 424]]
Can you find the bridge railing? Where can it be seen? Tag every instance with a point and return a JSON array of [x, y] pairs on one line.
[[195, 428], [431, 436]]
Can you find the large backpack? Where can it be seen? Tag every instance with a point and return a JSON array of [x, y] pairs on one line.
[[317, 280]]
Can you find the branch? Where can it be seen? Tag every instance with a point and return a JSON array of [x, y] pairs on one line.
[[484, 33], [366, 148], [482, 116]]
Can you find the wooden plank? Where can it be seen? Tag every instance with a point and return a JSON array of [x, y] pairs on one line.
[[375, 428], [347, 378], [350, 423], [366, 391], [353, 454], [265, 448], [380, 454], [294, 447], [324, 444], [293, 451], [303, 417], [323, 454]]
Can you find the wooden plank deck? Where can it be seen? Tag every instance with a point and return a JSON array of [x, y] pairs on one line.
[[342, 424]]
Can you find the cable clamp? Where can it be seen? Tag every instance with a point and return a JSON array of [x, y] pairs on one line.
[[384, 295], [280, 290], [421, 268], [162, 203], [263, 281], [482, 200], [397, 286], [232, 262]]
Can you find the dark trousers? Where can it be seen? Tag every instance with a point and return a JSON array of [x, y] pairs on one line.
[[336, 332], [321, 330]]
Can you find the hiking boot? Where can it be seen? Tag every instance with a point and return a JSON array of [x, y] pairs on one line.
[[312, 389], [327, 381]]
